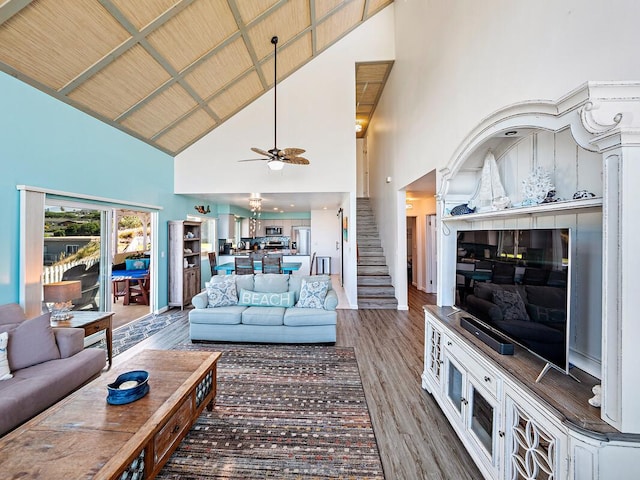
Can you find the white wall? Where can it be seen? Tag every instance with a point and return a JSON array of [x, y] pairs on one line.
[[325, 234], [316, 111], [362, 182], [457, 62]]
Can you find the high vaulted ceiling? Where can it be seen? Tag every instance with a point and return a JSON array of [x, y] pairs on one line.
[[169, 71], [370, 80]]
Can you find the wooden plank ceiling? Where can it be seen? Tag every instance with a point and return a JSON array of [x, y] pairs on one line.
[[170, 71]]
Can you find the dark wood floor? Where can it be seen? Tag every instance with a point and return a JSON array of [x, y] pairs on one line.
[[414, 438]]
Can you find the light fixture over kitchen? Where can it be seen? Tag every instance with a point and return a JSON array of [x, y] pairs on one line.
[[255, 204]]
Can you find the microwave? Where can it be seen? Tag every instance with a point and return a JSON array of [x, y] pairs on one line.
[[273, 230]]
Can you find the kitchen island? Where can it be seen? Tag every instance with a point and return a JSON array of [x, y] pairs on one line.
[[287, 257]]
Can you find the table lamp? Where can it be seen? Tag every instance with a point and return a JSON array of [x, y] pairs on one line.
[[59, 296]]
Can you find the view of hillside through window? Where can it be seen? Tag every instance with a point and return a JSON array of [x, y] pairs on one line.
[[73, 247]]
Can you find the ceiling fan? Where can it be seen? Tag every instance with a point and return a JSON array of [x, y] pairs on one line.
[[277, 158]]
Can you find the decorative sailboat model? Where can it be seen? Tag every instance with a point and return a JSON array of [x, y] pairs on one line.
[[491, 194]]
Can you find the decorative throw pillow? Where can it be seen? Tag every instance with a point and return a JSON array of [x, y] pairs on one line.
[[511, 305], [32, 342], [5, 371], [312, 294], [222, 293], [266, 299]]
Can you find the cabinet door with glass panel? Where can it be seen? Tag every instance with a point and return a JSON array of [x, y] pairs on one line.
[[476, 411], [434, 340]]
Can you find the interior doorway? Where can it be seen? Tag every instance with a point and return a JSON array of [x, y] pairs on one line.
[[421, 225], [412, 255], [131, 286]]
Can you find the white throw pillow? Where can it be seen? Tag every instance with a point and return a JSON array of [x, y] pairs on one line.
[[5, 371], [222, 293], [312, 294]]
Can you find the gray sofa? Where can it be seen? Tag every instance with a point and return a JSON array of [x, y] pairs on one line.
[[255, 321], [46, 365]]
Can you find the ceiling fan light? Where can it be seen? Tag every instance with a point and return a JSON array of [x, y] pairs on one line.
[[275, 165]]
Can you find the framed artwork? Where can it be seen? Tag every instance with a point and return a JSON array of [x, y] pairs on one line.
[[345, 229]]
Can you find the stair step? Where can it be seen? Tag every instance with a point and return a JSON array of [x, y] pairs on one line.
[[371, 260], [369, 242], [364, 280], [370, 252], [373, 270], [377, 291], [377, 303]]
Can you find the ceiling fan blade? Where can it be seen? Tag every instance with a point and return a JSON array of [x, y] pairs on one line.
[[296, 161], [261, 152], [254, 160], [291, 152]]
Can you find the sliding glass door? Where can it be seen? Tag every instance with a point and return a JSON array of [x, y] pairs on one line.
[[64, 236], [76, 247]]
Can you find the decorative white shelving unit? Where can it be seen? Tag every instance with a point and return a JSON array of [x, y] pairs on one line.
[[513, 427]]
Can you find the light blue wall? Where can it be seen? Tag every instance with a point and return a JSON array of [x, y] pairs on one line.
[[46, 143]]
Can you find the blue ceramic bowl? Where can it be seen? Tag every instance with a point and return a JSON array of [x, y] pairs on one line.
[[120, 396]]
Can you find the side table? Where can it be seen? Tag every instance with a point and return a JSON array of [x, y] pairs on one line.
[[91, 322]]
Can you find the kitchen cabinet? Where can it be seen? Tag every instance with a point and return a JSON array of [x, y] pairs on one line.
[[226, 226], [245, 230]]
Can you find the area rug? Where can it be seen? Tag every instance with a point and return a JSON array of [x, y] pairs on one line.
[[286, 412], [134, 332]]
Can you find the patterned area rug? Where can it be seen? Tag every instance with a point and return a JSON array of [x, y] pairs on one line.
[[134, 332], [286, 412]]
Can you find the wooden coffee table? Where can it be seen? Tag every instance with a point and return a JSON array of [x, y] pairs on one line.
[[84, 437]]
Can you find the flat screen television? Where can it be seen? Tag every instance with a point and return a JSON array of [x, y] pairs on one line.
[[516, 282]]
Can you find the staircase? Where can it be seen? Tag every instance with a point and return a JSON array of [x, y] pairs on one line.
[[374, 283]]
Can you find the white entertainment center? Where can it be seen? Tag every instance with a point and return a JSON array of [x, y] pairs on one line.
[[513, 427]]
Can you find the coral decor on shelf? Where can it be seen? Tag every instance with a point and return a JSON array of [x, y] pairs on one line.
[[536, 187]]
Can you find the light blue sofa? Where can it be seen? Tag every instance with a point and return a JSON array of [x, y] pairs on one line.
[[265, 324]]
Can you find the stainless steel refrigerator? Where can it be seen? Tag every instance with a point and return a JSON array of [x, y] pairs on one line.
[[302, 238]]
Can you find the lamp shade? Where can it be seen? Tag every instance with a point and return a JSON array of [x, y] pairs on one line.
[[275, 164], [58, 292]]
